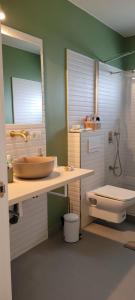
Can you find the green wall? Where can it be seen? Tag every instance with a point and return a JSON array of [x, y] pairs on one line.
[[61, 25], [20, 64]]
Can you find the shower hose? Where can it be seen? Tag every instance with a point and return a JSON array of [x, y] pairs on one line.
[[117, 167]]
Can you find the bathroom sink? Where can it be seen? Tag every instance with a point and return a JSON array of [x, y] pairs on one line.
[[33, 167]]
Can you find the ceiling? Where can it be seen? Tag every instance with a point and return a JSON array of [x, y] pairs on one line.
[[117, 14]]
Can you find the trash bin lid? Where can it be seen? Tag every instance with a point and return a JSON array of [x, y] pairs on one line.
[[71, 217]]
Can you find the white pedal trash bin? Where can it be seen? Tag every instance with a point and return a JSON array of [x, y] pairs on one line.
[[71, 227]]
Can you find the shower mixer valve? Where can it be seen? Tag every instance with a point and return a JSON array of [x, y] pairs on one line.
[[116, 133], [111, 168], [117, 166]]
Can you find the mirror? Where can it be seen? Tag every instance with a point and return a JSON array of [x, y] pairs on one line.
[[23, 80]]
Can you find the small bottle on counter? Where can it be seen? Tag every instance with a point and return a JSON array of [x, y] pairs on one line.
[[9, 169], [40, 152]]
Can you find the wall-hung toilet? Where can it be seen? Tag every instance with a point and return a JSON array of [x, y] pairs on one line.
[[110, 203]]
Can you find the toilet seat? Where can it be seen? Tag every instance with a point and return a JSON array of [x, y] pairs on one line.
[[115, 193], [110, 203]]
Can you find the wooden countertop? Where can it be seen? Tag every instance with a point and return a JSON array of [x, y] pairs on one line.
[[21, 190]]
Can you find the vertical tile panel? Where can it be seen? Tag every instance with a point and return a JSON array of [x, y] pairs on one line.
[[80, 70], [80, 87]]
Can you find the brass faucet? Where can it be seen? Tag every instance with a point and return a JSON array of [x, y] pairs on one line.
[[22, 133]]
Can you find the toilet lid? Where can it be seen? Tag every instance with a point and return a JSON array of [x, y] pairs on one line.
[[115, 193]]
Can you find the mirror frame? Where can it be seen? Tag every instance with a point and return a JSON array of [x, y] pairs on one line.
[[32, 44]]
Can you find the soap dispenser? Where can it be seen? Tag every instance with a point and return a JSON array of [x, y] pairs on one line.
[[9, 169], [40, 152]]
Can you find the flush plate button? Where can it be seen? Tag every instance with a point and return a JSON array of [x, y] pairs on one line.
[[2, 189]]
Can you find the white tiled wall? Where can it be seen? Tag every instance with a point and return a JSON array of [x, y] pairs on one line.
[[110, 104], [17, 147], [80, 78], [129, 127], [91, 158], [80, 156], [74, 151], [32, 227]]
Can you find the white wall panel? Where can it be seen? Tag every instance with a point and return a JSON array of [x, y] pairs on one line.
[[91, 159], [129, 126], [80, 79], [80, 91], [74, 160], [32, 228]]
